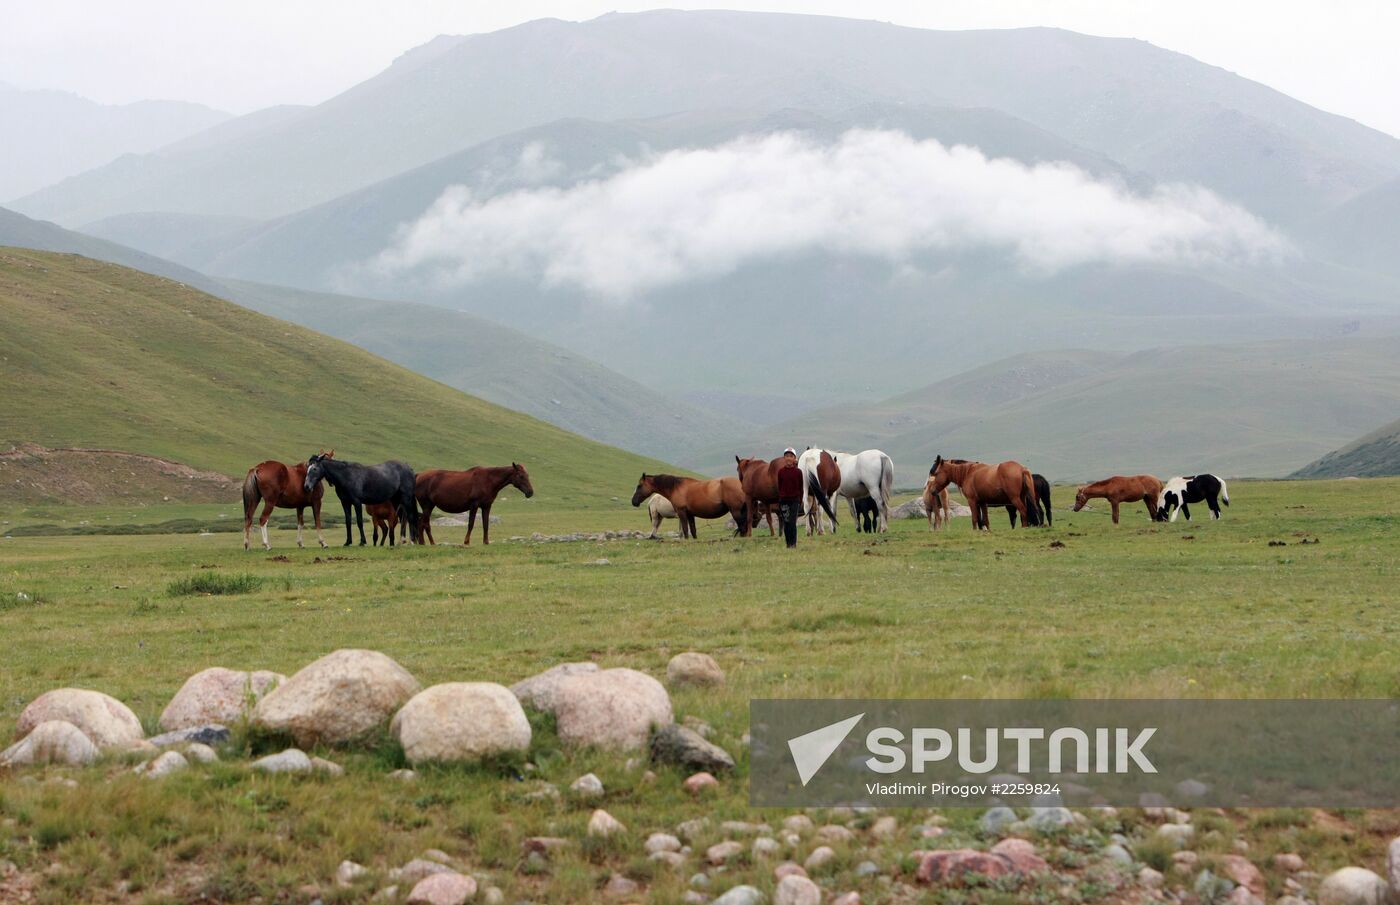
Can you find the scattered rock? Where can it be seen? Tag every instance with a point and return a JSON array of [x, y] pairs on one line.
[[168, 763], [107, 722], [293, 760], [694, 722], [848, 898], [1045, 820], [450, 888], [543, 844], [689, 829], [795, 890], [820, 856], [403, 775], [834, 833], [51, 742], [675, 744], [604, 824], [337, 699], [327, 767], [1352, 886], [1291, 863], [951, 866], [741, 895], [1022, 856], [610, 708], [201, 754], [619, 887], [721, 852], [493, 895], [216, 695], [348, 873], [671, 859], [1243, 872], [884, 828], [538, 691], [417, 870], [1178, 835], [206, 734], [1149, 878], [1392, 866], [786, 868], [461, 721], [693, 668], [662, 842], [587, 786], [1118, 855], [765, 846], [700, 782]]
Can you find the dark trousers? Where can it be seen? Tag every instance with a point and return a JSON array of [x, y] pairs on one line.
[[788, 512]]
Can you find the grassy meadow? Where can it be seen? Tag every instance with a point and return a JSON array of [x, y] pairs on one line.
[[1237, 608]]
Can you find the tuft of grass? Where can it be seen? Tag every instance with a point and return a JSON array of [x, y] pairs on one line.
[[213, 583]]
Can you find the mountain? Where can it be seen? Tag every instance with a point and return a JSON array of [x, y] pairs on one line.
[[500, 365], [1363, 232], [103, 356], [1375, 455], [1254, 409], [51, 135], [1151, 110]]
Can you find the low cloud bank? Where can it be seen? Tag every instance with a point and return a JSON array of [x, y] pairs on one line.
[[695, 214]]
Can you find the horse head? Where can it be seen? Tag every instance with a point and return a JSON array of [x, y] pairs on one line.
[[645, 488], [938, 476], [315, 470], [520, 479], [1081, 498]]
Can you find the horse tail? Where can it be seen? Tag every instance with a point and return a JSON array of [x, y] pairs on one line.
[[886, 480], [251, 494], [814, 485], [1028, 499], [1224, 493], [1049, 519]]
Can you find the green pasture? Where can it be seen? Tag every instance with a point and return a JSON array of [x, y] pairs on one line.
[[1290, 595]]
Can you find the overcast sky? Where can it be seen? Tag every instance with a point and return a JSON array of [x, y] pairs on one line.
[[240, 56]]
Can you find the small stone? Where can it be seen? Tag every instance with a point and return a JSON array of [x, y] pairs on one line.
[[884, 828], [1291, 863], [543, 844], [403, 775], [587, 786], [834, 833], [1178, 835], [744, 828], [741, 895], [438, 855], [450, 888], [699, 725], [1185, 862], [1045, 820], [867, 869], [693, 668], [798, 823], [1150, 879], [1021, 855], [348, 873], [683, 746], [1243, 872], [416, 870], [387, 894], [293, 760], [700, 881], [210, 734], [168, 763], [699, 783], [795, 890], [692, 897], [1241, 895], [662, 842], [721, 852], [1118, 855], [619, 887], [820, 856], [689, 829], [493, 895], [849, 898], [326, 767], [765, 846], [670, 859], [786, 868], [951, 866], [1352, 886], [201, 754], [601, 823]]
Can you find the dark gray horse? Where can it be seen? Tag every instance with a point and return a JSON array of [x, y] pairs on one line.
[[357, 485]]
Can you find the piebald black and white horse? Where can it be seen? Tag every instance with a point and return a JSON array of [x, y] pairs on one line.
[[1042, 502], [357, 485], [867, 514], [1179, 492]]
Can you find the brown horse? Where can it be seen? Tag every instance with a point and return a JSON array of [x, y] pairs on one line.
[[467, 491], [983, 485], [692, 498], [1119, 489], [759, 478], [385, 517], [936, 506], [829, 477], [277, 484]]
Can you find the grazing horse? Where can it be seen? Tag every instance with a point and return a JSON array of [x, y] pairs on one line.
[[1008, 483], [692, 498], [867, 475], [282, 485], [467, 491], [821, 465], [356, 485], [865, 512], [936, 505], [385, 518], [1119, 489], [759, 478], [1177, 492], [1042, 502]]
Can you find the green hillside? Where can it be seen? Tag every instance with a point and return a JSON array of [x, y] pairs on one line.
[[96, 355], [1375, 455]]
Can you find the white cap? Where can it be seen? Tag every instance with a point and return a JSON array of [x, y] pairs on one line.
[[790, 450]]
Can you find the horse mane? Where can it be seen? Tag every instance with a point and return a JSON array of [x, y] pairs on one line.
[[664, 483]]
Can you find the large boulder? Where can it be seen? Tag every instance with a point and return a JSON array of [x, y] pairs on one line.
[[218, 697], [51, 742], [107, 722], [461, 721], [611, 708], [538, 691], [693, 668], [339, 698], [683, 746], [1352, 886]]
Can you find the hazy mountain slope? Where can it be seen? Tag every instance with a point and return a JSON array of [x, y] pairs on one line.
[[1363, 232], [502, 366], [1375, 455], [104, 356], [1153, 110], [51, 135], [187, 238]]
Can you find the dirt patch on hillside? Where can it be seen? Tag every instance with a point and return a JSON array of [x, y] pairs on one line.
[[30, 473]]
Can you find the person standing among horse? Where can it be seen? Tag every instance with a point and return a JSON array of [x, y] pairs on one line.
[[790, 484]]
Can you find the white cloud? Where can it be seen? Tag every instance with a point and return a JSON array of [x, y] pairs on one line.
[[695, 214]]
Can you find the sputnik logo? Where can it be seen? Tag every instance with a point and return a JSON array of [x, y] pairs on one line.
[[812, 750]]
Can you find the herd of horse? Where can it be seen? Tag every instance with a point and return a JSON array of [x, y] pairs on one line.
[[398, 499]]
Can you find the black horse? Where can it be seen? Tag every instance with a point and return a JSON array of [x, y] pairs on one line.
[[1042, 502], [356, 485], [867, 516]]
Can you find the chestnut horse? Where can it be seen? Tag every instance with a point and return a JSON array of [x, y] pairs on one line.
[[1008, 483], [467, 491], [759, 478], [282, 485], [386, 518], [936, 506], [1120, 489], [692, 498], [822, 465]]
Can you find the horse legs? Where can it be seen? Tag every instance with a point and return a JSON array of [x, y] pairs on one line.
[[349, 525], [694, 535], [425, 524], [316, 516], [1114, 504], [1185, 509], [471, 523], [301, 513], [1214, 507], [262, 523], [486, 524], [360, 521]]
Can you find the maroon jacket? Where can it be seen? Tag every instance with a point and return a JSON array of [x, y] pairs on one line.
[[789, 483]]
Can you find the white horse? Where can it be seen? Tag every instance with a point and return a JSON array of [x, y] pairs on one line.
[[659, 508], [867, 474]]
